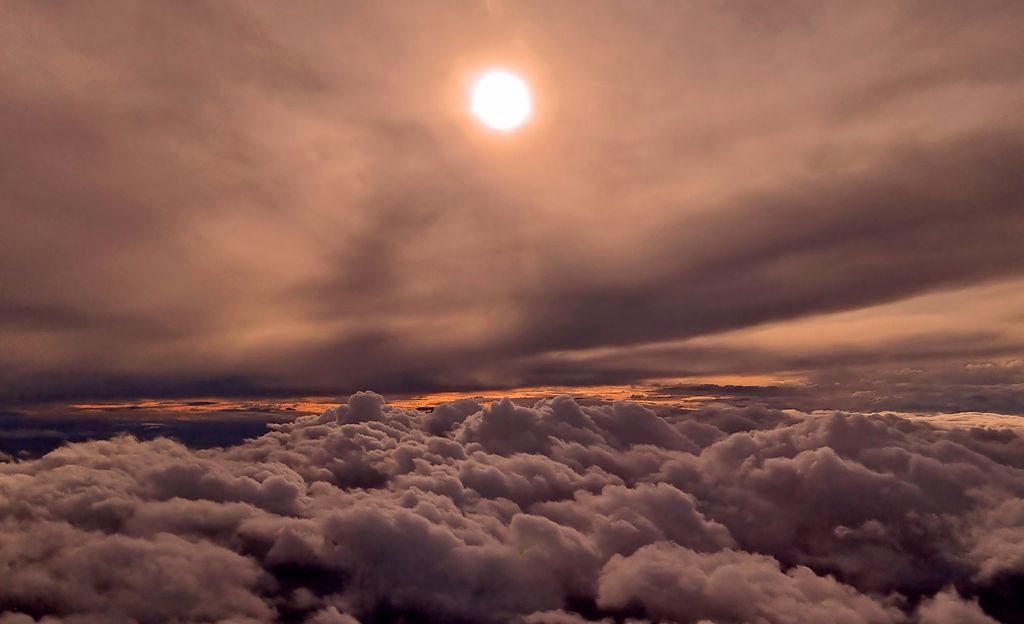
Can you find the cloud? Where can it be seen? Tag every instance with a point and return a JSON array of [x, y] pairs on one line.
[[257, 201], [883, 227], [677, 584], [948, 608], [568, 511]]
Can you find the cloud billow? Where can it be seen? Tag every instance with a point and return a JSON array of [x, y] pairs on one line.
[[556, 513]]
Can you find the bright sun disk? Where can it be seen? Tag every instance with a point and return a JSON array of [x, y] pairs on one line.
[[501, 100]]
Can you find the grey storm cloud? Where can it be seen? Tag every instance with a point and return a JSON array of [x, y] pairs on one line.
[[564, 512]]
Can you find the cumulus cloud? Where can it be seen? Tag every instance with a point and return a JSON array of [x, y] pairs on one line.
[[948, 608], [564, 512], [674, 583]]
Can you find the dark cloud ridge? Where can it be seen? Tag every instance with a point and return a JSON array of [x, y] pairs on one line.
[[926, 217]]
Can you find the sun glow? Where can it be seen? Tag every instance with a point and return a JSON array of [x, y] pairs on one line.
[[501, 100]]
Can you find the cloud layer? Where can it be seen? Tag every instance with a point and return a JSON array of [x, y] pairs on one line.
[[215, 198], [566, 511]]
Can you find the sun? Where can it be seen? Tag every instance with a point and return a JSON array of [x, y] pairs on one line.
[[501, 100]]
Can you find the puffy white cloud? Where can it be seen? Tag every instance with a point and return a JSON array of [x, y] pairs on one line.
[[562, 512], [675, 583], [947, 607]]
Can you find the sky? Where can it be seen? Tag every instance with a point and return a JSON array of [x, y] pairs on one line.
[[729, 331], [237, 200]]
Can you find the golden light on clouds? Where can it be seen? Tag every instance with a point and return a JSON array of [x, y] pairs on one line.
[[501, 100]]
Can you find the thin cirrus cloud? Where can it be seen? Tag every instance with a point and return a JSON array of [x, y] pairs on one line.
[[220, 199]]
